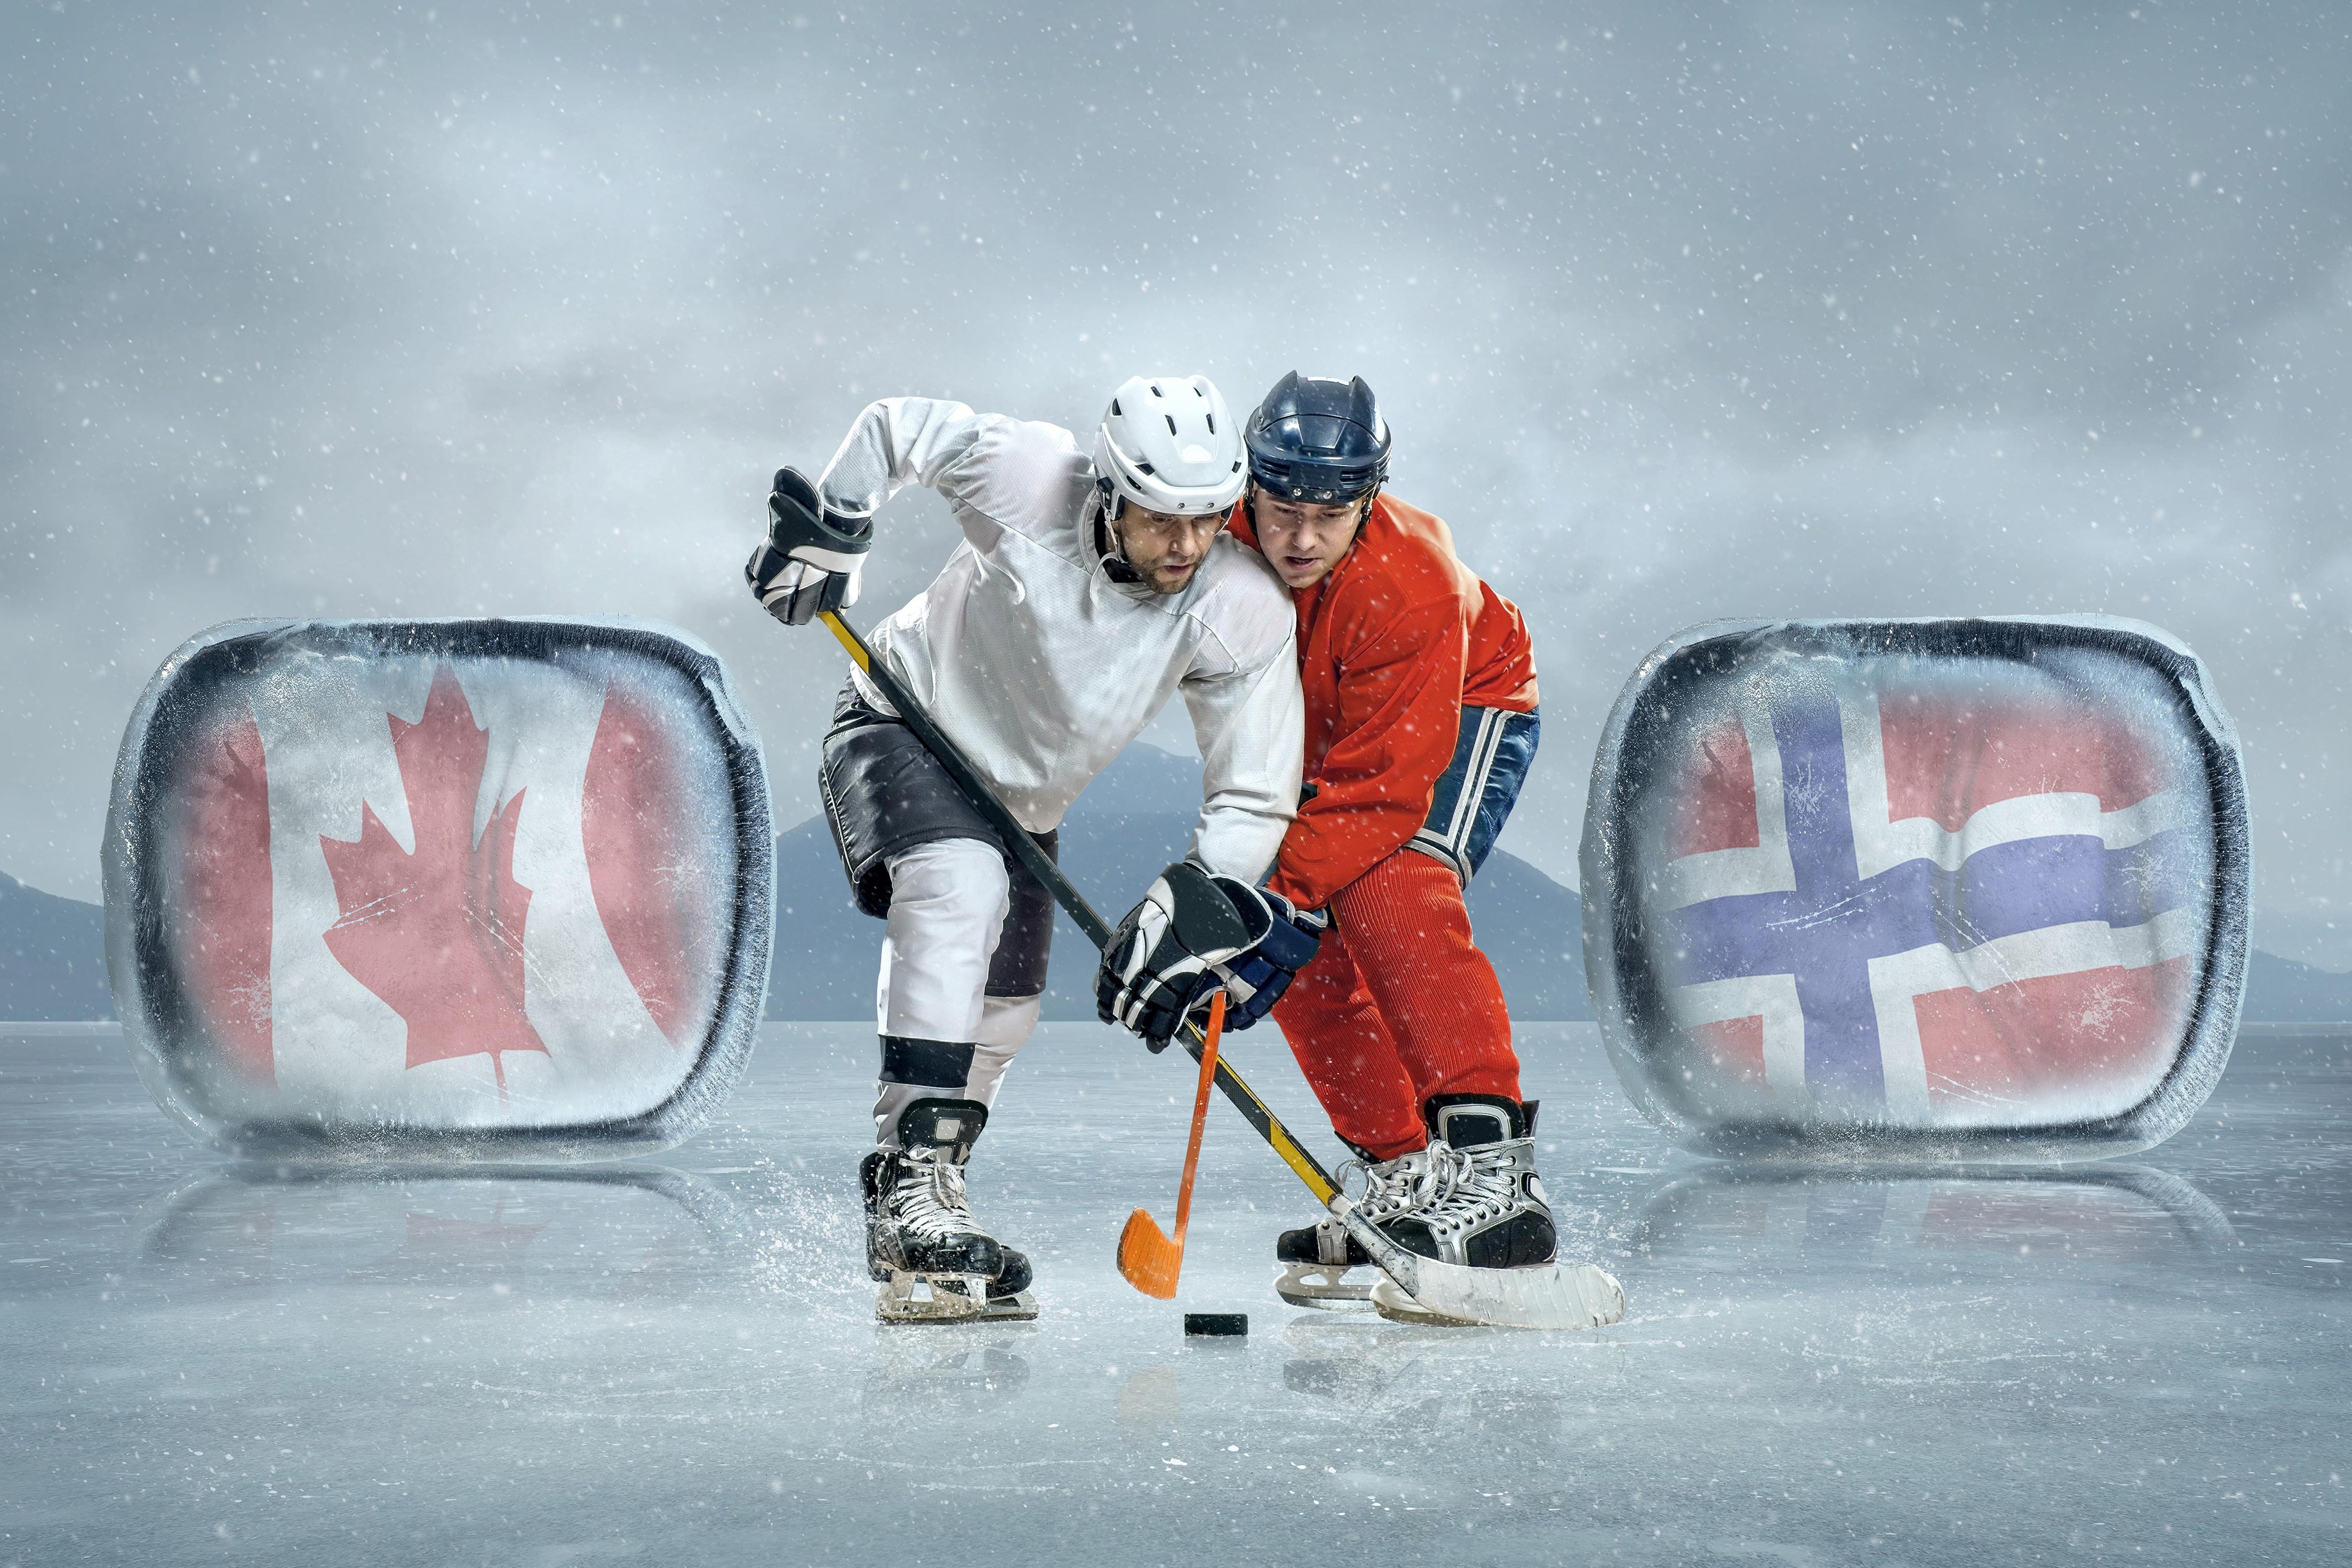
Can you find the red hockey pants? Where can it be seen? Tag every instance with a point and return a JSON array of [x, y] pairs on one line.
[[1398, 1005]]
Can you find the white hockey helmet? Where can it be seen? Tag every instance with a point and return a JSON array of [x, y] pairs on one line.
[[1167, 443]]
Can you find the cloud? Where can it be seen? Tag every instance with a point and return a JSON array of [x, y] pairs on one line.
[[1679, 312]]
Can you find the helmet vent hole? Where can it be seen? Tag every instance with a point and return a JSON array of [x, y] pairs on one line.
[[1213, 423], [1115, 409], [1155, 390], [1143, 468], [1172, 423]]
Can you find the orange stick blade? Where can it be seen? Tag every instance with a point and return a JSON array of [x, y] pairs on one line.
[[1149, 1259]]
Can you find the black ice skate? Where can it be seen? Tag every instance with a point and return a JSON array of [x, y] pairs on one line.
[[1471, 1198], [933, 1261]]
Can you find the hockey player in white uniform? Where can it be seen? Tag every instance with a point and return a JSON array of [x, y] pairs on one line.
[[1087, 590]]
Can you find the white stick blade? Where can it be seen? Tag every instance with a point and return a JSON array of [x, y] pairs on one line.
[[1557, 1295], [1562, 1295]]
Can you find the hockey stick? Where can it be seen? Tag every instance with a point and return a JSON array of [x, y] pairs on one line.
[[1150, 1260], [1577, 1296]]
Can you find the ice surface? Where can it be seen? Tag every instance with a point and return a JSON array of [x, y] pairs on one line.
[[675, 1364], [439, 886], [1918, 889]]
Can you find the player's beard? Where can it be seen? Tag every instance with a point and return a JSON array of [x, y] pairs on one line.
[[1164, 589]]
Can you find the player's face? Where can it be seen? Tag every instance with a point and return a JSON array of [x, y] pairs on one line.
[[1303, 541], [1166, 548]]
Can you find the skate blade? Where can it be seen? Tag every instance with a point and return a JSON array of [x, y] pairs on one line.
[[948, 1299], [1323, 1286]]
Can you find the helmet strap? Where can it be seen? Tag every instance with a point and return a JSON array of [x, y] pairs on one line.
[[1107, 543], [1362, 517]]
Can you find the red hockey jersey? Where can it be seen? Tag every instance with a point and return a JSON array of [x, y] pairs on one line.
[[1391, 646]]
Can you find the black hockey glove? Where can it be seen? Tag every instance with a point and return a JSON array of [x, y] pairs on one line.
[[811, 556], [1191, 933]]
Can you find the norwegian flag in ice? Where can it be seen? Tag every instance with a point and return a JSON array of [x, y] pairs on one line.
[[429, 878], [1914, 886]]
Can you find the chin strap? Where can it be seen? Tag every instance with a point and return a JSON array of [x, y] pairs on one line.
[[1108, 546]]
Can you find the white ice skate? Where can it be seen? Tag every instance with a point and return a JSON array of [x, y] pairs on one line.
[[933, 1261], [1479, 1205]]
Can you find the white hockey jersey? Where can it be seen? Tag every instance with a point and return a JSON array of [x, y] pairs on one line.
[[1040, 665]]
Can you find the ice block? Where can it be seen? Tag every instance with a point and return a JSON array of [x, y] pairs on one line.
[[439, 889], [1917, 889]]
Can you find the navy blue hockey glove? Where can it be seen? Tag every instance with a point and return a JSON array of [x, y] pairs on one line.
[[1191, 933], [811, 556], [1282, 942]]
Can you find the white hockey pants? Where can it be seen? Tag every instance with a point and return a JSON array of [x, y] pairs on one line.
[[943, 1037]]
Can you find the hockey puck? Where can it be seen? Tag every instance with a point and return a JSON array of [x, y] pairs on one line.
[[1216, 1323]]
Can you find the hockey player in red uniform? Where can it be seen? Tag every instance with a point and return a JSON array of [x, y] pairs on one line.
[[1420, 687]]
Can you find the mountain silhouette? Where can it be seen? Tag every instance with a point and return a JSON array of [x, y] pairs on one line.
[[52, 957], [1130, 822]]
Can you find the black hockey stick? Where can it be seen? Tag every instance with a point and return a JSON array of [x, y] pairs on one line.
[[1561, 1296]]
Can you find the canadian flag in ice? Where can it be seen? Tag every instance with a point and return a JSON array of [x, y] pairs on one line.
[[1931, 900], [460, 892], [438, 933]]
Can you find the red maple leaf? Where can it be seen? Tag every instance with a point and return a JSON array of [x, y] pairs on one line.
[[438, 934]]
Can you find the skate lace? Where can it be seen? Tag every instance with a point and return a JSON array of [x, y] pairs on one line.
[[929, 1198], [1461, 1188], [1386, 1185]]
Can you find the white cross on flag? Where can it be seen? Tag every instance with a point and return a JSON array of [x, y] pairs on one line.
[[1982, 882]]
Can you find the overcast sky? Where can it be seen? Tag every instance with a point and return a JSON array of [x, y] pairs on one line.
[[1678, 312]]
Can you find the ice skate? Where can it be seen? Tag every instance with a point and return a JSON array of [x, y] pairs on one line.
[[1477, 1203], [1318, 1259], [1471, 1198], [933, 1261]]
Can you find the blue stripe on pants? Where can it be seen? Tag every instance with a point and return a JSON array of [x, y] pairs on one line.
[[1476, 793]]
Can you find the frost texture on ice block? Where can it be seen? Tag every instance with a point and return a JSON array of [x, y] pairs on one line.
[[1965, 889], [430, 889]]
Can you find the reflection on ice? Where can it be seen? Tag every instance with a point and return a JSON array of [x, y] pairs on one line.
[[1149, 1407], [957, 1373], [2115, 1214], [476, 1237], [1440, 1380]]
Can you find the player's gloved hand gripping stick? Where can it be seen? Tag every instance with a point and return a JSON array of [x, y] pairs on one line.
[[1195, 934], [1558, 1296], [812, 556]]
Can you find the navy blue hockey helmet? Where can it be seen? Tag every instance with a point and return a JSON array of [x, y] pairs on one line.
[[1318, 441]]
